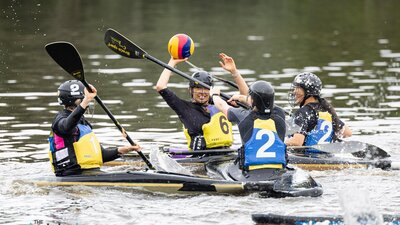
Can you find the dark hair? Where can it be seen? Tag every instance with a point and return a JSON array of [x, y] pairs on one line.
[[335, 118], [263, 95]]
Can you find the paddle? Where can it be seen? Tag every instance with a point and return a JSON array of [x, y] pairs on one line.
[[163, 162], [362, 218], [66, 55], [370, 151], [123, 46], [356, 148], [230, 83], [202, 152]]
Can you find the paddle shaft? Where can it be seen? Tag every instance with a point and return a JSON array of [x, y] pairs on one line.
[[232, 84], [117, 124], [123, 46], [202, 152], [356, 148], [161, 63], [67, 57]]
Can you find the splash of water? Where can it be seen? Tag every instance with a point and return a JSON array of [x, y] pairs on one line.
[[161, 161], [291, 127], [300, 177], [358, 208]]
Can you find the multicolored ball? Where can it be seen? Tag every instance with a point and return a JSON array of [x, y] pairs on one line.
[[180, 46]]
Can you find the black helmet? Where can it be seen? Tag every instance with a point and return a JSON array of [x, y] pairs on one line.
[[263, 95], [202, 76], [311, 84], [70, 91]]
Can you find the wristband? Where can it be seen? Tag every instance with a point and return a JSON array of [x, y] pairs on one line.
[[236, 74], [214, 95]]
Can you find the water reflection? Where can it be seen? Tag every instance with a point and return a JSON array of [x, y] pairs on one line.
[[361, 79], [354, 51]]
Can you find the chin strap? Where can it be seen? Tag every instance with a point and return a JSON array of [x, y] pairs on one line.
[[304, 100], [90, 109], [71, 107], [191, 93]]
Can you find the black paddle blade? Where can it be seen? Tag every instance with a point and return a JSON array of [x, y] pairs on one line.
[[66, 55], [371, 152], [122, 45]]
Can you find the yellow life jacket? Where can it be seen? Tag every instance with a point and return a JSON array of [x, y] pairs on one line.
[[87, 150], [217, 132]]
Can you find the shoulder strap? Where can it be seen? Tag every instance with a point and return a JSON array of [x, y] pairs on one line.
[[311, 107], [314, 109]]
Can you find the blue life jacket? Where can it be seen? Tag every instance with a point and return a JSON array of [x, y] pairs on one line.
[[322, 132], [264, 149]]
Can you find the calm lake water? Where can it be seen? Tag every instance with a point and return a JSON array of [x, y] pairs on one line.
[[352, 45]]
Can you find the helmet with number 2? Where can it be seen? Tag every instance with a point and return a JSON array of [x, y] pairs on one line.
[[70, 91]]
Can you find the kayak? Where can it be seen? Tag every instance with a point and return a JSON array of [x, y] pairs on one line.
[[184, 157], [290, 181], [272, 219], [158, 181], [354, 148], [332, 162], [306, 161], [303, 160]]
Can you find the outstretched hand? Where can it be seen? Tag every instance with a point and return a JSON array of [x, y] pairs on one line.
[[227, 63], [173, 62]]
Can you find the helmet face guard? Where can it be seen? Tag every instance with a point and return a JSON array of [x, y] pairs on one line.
[[69, 92], [309, 82], [292, 95]]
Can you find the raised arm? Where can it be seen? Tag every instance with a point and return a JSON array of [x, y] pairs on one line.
[[166, 74], [229, 65]]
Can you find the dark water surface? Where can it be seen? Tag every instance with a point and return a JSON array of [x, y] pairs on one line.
[[352, 45]]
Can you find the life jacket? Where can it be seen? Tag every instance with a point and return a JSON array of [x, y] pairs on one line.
[[322, 132], [264, 149], [84, 153], [217, 132]]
